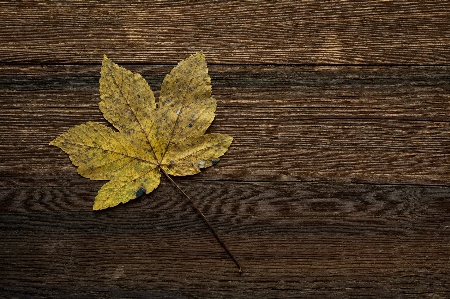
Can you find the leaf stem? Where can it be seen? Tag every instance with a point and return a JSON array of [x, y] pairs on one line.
[[206, 220]]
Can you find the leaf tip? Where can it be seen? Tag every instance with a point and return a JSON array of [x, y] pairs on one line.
[[105, 62], [98, 205], [200, 55], [54, 142]]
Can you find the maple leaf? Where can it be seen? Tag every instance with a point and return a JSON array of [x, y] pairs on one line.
[[168, 136]]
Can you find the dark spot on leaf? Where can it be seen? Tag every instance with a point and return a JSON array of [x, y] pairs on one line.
[[214, 161], [140, 192], [190, 125]]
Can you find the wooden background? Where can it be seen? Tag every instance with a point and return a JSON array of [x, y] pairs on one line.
[[337, 184]]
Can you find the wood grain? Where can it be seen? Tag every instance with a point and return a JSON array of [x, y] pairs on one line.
[[295, 239], [359, 124], [336, 185], [282, 32]]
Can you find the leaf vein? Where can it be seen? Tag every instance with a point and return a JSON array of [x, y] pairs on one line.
[[108, 150], [132, 110]]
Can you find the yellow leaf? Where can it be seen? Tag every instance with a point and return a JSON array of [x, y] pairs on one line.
[[149, 139]]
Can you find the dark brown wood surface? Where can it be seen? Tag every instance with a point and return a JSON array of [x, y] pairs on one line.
[[337, 184]]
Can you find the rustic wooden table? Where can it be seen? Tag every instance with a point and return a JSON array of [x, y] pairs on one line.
[[337, 183]]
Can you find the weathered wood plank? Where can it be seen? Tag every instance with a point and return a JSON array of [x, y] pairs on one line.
[[293, 239], [267, 149], [417, 93], [285, 32], [366, 124]]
